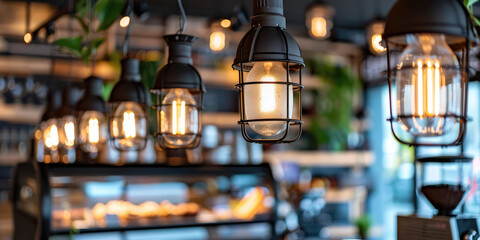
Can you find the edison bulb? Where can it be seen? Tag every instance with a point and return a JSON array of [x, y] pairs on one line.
[[319, 27], [217, 41], [428, 86], [67, 131], [179, 118], [50, 134], [268, 100], [128, 128], [93, 131]]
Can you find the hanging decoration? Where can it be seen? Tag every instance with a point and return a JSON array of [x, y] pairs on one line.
[[179, 94], [269, 62], [428, 61]]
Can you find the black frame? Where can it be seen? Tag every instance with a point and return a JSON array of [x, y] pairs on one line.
[[435, 25], [242, 68]]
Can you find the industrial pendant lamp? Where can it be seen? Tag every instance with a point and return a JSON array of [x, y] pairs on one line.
[[429, 42], [66, 128], [128, 105], [49, 130], [269, 62], [91, 110], [374, 37], [319, 20], [179, 94]]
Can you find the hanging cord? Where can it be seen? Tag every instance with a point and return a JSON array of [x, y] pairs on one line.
[[126, 41], [28, 17], [70, 31], [91, 35], [183, 20]]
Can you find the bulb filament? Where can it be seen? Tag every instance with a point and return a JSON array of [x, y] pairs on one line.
[[129, 128], [93, 130]]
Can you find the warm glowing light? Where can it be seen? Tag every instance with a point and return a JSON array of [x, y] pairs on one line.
[[427, 90], [178, 117], [69, 129], [124, 21], [217, 41], [93, 130], [377, 43], [319, 27], [250, 204], [50, 136], [129, 125], [27, 38], [225, 23], [267, 99]]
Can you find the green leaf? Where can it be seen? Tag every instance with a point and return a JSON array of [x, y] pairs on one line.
[[96, 43], [74, 45], [108, 12], [81, 7], [85, 54]]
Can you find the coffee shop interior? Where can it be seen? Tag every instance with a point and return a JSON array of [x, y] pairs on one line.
[[239, 119]]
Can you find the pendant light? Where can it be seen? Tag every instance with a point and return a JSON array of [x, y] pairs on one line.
[[128, 104], [91, 110], [269, 62], [66, 127], [49, 129], [128, 109], [319, 20], [179, 94], [218, 36], [429, 43]]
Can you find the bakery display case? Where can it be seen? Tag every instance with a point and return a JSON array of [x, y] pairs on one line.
[[53, 201]]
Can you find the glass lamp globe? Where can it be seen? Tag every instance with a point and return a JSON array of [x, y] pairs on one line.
[[429, 86], [67, 131], [179, 118], [93, 131], [50, 134], [266, 100], [129, 126]]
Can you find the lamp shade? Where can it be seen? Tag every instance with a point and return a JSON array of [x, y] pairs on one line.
[[269, 62], [128, 105], [179, 96]]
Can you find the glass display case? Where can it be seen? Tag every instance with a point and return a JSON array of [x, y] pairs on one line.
[[53, 201]]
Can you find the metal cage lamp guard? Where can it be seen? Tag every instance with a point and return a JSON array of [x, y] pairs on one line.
[[128, 107], [268, 54], [91, 117], [431, 81], [179, 96]]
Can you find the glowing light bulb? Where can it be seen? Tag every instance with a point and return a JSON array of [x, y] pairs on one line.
[[124, 21], [267, 100], [129, 126], [225, 23], [377, 43], [428, 86], [319, 27], [50, 134], [93, 131], [27, 38], [217, 41], [69, 129], [179, 118]]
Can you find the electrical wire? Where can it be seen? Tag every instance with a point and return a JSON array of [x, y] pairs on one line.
[[126, 41], [183, 21]]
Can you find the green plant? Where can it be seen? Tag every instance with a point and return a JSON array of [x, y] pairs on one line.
[[86, 44], [469, 5], [333, 103], [363, 223]]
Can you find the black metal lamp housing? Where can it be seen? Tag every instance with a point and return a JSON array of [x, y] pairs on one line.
[[128, 105], [269, 62], [179, 96], [428, 44], [91, 117]]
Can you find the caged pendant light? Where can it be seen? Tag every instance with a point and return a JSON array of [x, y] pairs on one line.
[[179, 94], [429, 43], [128, 103], [269, 63], [91, 117]]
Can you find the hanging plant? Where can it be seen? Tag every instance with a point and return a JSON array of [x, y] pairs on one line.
[[469, 5], [106, 12]]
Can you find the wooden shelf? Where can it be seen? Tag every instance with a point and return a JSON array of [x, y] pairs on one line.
[[20, 113], [322, 158]]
